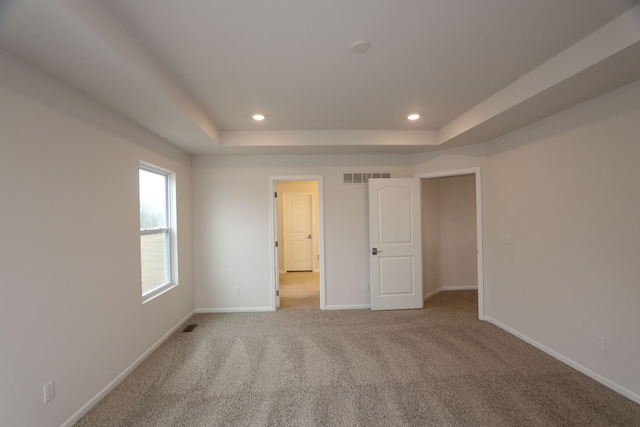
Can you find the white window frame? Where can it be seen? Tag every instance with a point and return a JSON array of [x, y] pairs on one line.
[[168, 231]]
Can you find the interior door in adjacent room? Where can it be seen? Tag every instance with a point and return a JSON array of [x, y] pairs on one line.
[[395, 245], [298, 229]]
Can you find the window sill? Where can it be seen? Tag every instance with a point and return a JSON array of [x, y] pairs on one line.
[[157, 292]]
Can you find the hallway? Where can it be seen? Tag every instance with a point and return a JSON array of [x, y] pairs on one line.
[[299, 290]]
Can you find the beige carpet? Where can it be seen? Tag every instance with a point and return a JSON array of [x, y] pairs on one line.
[[438, 366], [300, 290]]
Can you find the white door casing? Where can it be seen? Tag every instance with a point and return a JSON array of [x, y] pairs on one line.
[[297, 233], [395, 233], [273, 234], [480, 264], [276, 258]]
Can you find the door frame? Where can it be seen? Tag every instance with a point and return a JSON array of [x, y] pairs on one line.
[[480, 263], [273, 234]]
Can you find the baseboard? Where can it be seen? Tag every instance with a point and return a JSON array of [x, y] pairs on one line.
[[450, 288], [432, 294], [459, 288], [233, 310], [348, 307], [117, 380], [575, 365]]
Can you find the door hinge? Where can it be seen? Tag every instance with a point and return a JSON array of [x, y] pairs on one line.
[[278, 292], [276, 244], [275, 194]]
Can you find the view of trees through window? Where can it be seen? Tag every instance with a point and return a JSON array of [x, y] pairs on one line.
[[153, 200]]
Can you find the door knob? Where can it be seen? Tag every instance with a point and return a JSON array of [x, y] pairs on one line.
[[309, 236], [375, 251]]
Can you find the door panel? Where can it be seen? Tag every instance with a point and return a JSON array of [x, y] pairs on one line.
[[394, 207], [396, 276], [394, 228], [298, 226]]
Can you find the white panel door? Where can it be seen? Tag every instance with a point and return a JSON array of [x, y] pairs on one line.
[[395, 243], [298, 223]]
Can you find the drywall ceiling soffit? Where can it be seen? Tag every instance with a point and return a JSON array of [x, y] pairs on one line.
[[194, 72], [81, 44]]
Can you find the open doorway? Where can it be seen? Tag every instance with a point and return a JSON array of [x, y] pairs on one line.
[[452, 233], [297, 230]]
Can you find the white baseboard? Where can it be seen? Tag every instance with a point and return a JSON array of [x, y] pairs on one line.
[[575, 365], [459, 288], [432, 294], [102, 393], [233, 310], [450, 288], [348, 307]]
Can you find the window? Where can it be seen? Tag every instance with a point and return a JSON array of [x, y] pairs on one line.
[[155, 229]]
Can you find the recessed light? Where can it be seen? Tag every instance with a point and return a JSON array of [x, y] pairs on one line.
[[413, 116], [360, 46], [258, 117]]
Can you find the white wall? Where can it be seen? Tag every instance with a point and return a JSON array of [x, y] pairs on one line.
[[70, 296], [430, 213], [566, 190], [231, 226], [449, 250], [458, 243], [310, 187]]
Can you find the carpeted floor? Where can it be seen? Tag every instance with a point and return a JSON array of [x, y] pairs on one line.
[[300, 290], [438, 366]]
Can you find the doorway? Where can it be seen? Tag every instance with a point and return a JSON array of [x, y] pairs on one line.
[[299, 290], [297, 242], [452, 233]]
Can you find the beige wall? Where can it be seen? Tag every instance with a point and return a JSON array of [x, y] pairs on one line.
[[231, 220], [70, 304], [458, 243], [449, 234], [564, 188], [566, 191], [430, 191], [299, 187]]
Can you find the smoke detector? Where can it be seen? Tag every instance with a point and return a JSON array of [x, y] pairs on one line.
[[360, 46]]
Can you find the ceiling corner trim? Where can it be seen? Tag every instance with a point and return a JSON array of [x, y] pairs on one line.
[[364, 138], [143, 67], [604, 43]]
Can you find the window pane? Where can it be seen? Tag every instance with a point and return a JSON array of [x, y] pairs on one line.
[[153, 200], [153, 261]]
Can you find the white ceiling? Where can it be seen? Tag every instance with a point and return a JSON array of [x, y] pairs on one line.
[[194, 71]]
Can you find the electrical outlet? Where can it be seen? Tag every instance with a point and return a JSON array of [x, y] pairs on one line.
[[504, 238], [366, 287], [49, 391], [601, 342], [237, 289]]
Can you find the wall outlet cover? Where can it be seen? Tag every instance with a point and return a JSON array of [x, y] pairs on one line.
[[504, 238], [49, 391]]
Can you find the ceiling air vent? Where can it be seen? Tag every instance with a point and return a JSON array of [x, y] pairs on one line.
[[363, 178]]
